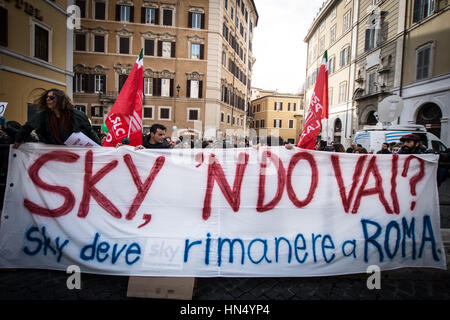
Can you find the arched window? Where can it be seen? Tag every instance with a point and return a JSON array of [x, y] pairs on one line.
[[337, 130], [430, 116]]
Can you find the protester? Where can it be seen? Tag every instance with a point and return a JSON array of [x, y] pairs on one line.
[[155, 139], [384, 149], [360, 150], [396, 147], [338, 147], [55, 121], [320, 145], [351, 148], [411, 144]]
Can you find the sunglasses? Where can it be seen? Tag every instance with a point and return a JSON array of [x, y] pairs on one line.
[[51, 97]]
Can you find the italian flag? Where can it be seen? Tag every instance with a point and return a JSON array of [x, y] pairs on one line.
[[125, 118], [318, 109]]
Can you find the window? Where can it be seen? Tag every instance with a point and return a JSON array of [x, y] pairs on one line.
[[99, 43], [291, 124], [226, 4], [262, 123], [228, 116], [80, 42], [80, 83], [149, 15], [124, 13], [342, 91], [97, 111], [165, 88], [344, 56], [122, 79], [167, 17], [371, 89], [257, 124], [232, 13], [148, 86], [100, 9], [331, 65], [196, 20], [164, 113], [277, 123], [197, 51], [166, 49], [225, 31], [149, 47], [193, 114], [148, 112], [3, 27], [82, 5], [224, 59], [99, 83], [346, 21], [41, 43], [322, 45], [194, 89], [423, 62], [371, 36], [222, 117], [332, 34], [278, 106], [423, 9], [333, 13], [124, 45]]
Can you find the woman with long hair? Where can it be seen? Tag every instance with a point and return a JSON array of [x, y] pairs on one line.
[[55, 120]]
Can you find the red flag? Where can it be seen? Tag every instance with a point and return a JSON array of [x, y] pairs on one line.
[[318, 109], [125, 117]]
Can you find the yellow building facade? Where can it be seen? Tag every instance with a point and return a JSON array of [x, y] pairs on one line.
[[278, 115], [35, 53]]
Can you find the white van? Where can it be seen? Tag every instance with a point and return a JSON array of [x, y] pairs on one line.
[[372, 137]]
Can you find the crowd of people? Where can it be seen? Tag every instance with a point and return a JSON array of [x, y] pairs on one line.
[[56, 119], [409, 144]]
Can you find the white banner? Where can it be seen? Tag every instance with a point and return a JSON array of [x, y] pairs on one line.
[[270, 212]]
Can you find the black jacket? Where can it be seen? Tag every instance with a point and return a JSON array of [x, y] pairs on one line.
[[146, 143], [41, 123]]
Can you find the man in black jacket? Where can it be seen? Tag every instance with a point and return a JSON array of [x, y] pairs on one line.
[[384, 149], [155, 139], [411, 144]]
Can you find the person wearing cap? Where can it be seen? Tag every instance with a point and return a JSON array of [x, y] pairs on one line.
[[411, 144]]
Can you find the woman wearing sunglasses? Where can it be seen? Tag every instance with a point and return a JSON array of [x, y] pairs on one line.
[[55, 120]]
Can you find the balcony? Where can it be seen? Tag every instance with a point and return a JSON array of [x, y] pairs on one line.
[[108, 96]]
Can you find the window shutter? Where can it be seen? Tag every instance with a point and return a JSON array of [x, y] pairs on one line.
[[202, 51], [117, 12], [202, 25], [367, 42], [274, 123], [131, 13], [200, 89], [91, 83], [143, 9], [172, 49], [417, 7], [155, 86], [281, 106], [159, 48], [171, 87], [104, 83], [157, 16], [188, 89], [158, 87], [3, 26], [149, 47], [189, 19]]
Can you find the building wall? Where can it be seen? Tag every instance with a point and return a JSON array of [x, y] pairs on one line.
[[180, 67], [264, 109], [23, 76], [331, 17]]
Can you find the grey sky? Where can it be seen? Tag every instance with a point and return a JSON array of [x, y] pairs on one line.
[[278, 43]]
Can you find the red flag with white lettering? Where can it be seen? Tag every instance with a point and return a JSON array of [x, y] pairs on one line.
[[318, 109], [125, 118]]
